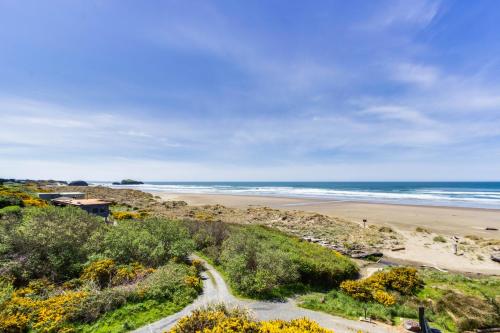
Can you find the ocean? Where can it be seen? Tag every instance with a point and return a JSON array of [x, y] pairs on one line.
[[453, 194]]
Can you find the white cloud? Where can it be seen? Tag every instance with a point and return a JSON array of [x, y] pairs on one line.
[[400, 113], [423, 75], [419, 13]]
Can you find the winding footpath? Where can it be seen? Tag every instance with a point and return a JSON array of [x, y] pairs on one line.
[[215, 290]]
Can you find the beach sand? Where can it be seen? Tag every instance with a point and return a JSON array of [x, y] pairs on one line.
[[448, 221], [419, 246]]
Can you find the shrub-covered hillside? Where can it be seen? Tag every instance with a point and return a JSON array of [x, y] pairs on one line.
[[63, 270], [265, 263]]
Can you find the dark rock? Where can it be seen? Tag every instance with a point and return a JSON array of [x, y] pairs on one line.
[[495, 257], [130, 182], [491, 229], [411, 325], [78, 183]]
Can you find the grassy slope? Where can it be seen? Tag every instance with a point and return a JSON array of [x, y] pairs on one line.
[[436, 285], [310, 257], [131, 316]]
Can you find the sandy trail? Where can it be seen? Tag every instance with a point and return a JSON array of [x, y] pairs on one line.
[[215, 290]]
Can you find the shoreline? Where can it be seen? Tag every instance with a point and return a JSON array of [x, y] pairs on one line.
[[420, 248], [450, 221]]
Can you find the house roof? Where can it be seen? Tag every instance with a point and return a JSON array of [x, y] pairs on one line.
[[81, 202]]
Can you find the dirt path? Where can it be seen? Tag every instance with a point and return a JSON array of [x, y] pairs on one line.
[[215, 290]]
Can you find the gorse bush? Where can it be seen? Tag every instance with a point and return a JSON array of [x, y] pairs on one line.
[[218, 318], [62, 268], [375, 288], [18, 196], [44, 307]]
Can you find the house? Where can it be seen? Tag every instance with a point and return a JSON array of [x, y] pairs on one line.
[[92, 206], [54, 195]]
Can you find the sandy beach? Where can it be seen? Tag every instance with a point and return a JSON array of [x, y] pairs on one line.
[[448, 221], [420, 248]]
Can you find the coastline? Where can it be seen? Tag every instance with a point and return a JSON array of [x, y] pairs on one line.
[[420, 248], [449, 221]]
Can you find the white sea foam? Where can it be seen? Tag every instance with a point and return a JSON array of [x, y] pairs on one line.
[[479, 198]]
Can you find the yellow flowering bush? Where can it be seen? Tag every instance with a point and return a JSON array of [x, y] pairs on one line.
[[19, 196], [41, 315], [219, 319], [357, 289], [294, 326], [126, 215], [193, 281], [130, 273], [401, 279], [100, 272], [204, 216], [197, 264], [34, 202], [383, 297]]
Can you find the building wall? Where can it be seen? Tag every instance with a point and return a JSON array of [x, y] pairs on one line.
[[100, 210]]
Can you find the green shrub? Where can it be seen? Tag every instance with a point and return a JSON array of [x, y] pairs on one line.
[[10, 210], [169, 282], [439, 239], [49, 242], [6, 201], [340, 303], [261, 262], [151, 242]]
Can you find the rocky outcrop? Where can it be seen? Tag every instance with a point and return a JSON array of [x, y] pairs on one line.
[[128, 182], [78, 183]]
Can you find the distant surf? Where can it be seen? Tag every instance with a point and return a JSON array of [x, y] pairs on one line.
[[454, 194]]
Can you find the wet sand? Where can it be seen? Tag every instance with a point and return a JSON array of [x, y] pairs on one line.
[[447, 221]]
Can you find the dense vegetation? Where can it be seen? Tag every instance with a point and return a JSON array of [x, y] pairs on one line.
[[64, 270], [264, 263], [453, 302], [218, 318]]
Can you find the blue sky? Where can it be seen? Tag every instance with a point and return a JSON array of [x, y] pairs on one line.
[[250, 90]]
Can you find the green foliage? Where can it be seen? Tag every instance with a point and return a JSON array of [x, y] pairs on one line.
[[48, 242], [6, 201], [266, 263], [454, 302], [255, 269], [169, 282], [131, 316], [161, 293], [100, 271], [10, 210], [339, 303], [151, 242], [439, 239]]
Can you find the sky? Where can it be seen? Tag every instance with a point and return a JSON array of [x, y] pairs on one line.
[[250, 90]]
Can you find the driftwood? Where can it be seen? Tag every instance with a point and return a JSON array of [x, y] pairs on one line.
[[398, 248], [491, 229], [364, 254], [495, 257]]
